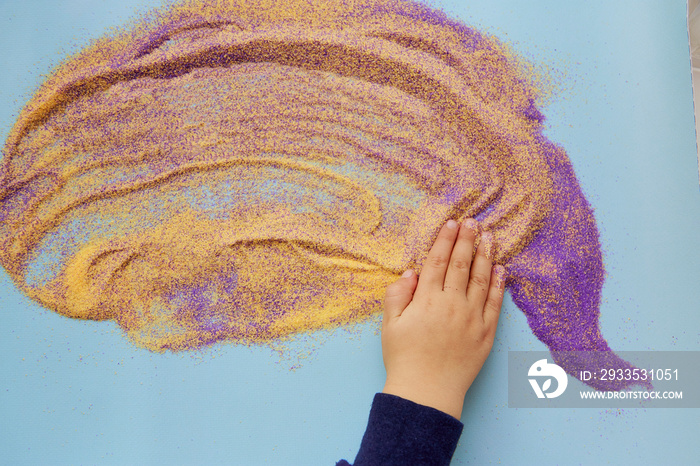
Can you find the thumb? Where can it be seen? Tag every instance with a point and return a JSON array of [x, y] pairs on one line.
[[399, 294]]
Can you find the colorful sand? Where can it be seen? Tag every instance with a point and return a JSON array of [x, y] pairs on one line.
[[248, 170]]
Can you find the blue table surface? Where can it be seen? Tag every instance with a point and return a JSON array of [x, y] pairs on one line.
[[75, 392]]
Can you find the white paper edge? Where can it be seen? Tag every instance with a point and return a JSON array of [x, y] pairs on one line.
[[694, 47]]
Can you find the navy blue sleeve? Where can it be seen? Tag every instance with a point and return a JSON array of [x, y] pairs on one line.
[[401, 432]]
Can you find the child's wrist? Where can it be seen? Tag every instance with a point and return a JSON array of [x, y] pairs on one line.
[[445, 400]]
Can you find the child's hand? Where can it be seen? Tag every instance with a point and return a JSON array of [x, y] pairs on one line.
[[438, 331]]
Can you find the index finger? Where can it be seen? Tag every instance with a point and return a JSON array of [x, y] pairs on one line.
[[433, 274]]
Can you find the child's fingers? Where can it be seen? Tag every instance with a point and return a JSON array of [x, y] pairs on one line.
[[399, 294], [432, 277], [457, 275], [494, 299], [480, 275]]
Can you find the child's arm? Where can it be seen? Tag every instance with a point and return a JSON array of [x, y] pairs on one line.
[[438, 329], [436, 334]]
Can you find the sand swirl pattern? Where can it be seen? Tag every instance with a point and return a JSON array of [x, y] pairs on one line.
[[245, 171]]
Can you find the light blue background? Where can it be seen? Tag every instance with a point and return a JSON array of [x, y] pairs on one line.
[[75, 392]]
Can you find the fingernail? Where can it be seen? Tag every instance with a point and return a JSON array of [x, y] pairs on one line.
[[472, 224], [408, 273], [487, 241], [500, 273], [452, 225]]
